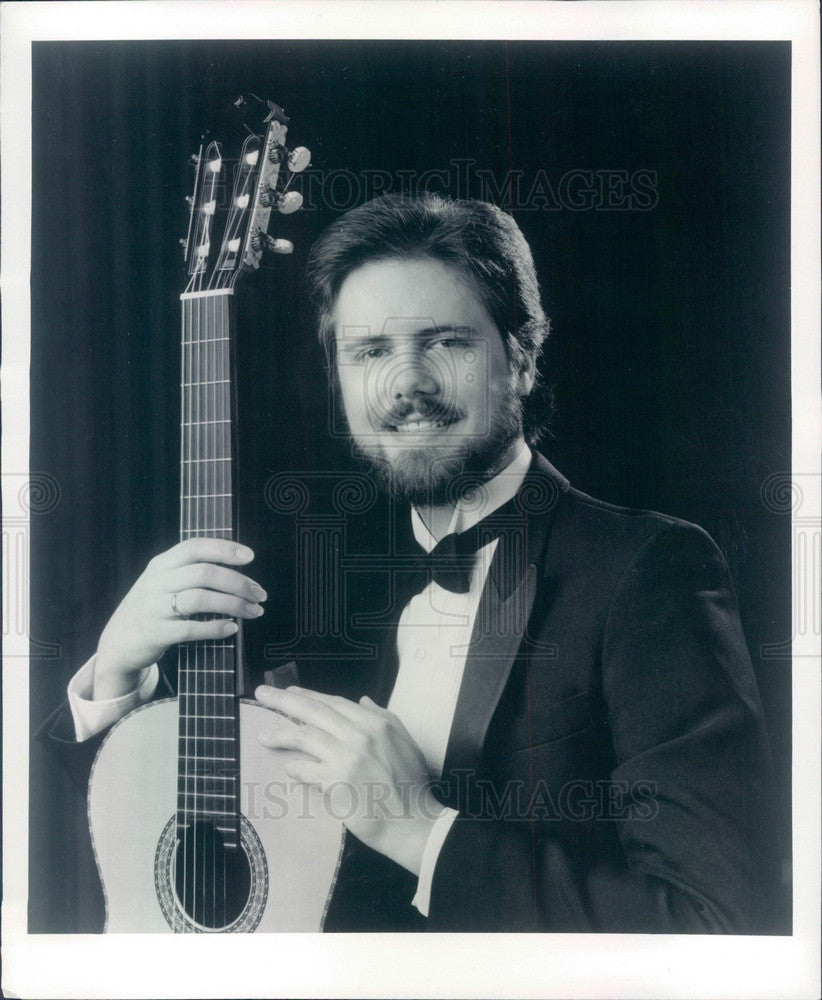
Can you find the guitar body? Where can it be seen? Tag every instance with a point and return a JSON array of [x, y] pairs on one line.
[[291, 843]]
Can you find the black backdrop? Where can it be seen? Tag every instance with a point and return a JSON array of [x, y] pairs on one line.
[[670, 352]]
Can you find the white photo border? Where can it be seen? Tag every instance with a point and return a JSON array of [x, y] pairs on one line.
[[460, 965]]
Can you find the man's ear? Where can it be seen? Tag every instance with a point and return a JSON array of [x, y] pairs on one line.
[[526, 374]]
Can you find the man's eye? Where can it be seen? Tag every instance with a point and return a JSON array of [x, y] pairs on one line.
[[449, 343], [370, 354]]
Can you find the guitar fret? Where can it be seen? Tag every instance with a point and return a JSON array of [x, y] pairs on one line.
[[202, 496], [211, 757], [208, 694], [228, 697], [194, 532], [215, 670], [204, 739], [198, 776], [205, 795], [205, 340], [213, 381], [186, 703], [215, 812], [226, 458], [222, 717], [226, 705]]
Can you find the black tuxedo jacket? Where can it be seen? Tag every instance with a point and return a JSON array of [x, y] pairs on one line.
[[607, 756]]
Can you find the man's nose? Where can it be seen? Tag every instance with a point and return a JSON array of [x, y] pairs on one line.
[[412, 377]]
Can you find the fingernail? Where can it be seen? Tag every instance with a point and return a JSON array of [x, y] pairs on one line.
[[258, 592], [243, 552], [255, 610], [230, 628]]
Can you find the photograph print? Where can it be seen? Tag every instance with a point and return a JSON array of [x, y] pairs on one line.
[[413, 421]]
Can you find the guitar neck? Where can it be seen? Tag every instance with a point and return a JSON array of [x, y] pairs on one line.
[[208, 754], [208, 724]]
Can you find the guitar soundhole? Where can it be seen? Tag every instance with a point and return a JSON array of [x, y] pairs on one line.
[[212, 882]]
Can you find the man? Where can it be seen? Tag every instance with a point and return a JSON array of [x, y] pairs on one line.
[[562, 721]]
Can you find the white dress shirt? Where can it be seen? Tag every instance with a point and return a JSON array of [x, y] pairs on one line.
[[432, 645]]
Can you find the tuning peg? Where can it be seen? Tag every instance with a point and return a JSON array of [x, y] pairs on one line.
[[269, 198], [195, 158], [290, 202], [279, 246], [262, 241], [284, 203], [298, 159]]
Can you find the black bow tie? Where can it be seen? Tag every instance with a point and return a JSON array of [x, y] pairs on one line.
[[451, 562]]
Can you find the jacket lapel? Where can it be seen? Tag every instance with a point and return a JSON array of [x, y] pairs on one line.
[[504, 609]]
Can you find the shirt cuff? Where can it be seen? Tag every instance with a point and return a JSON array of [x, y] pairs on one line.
[[91, 717], [433, 846]]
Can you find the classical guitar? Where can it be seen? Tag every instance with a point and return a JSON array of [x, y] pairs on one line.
[[195, 827]]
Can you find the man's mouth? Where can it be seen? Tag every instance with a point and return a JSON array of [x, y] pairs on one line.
[[421, 425]]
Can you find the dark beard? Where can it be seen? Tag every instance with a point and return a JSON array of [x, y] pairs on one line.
[[432, 477]]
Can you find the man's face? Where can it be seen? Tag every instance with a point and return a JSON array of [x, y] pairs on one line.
[[427, 388]]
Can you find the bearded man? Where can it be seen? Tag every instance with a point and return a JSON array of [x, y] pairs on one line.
[[563, 717]]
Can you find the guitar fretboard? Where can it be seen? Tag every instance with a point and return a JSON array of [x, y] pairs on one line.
[[208, 751]]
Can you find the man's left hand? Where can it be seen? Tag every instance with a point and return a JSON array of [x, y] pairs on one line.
[[363, 756]]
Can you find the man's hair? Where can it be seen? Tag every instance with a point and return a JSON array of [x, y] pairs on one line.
[[477, 238]]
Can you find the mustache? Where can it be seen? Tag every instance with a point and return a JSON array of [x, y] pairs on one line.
[[438, 411]]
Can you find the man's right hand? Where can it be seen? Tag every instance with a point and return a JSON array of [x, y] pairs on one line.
[[145, 625]]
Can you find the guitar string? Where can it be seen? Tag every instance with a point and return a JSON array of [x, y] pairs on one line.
[[198, 490], [185, 508], [181, 652], [218, 364], [212, 430], [208, 725], [227, 504], [241, 189], [189, 649], [200, 721], [191, 684], [197, 531], [225, 414], [228, 520]]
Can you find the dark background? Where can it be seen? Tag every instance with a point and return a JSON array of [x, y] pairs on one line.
[[670, 352]]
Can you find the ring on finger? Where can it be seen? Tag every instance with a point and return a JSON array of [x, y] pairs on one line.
[[174, 609]]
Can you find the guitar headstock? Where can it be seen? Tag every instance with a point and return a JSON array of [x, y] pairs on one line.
[[260, 185]]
